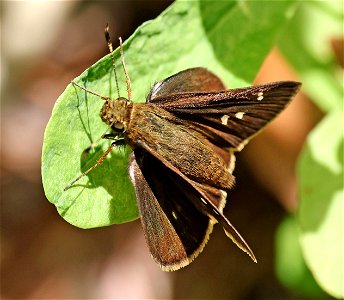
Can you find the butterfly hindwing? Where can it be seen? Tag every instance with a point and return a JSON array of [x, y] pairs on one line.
[[189, 80], [175, 231], [203, 197]]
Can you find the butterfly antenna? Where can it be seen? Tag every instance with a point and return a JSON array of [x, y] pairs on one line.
[[91, 92], [127, 79], [109, 43]]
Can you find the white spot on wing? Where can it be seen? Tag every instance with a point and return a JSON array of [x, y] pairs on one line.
[[224, 119], [239, 115], [260, 96], [205, 202]]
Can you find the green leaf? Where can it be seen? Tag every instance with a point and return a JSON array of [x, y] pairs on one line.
[[290, 266], [230, 38], [307, 45], [321, 211]]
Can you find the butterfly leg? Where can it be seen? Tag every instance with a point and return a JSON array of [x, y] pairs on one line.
[[109, 136]]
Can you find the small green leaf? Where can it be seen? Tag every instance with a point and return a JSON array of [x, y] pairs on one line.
[[321, 211], [230, 38], [307, 45]]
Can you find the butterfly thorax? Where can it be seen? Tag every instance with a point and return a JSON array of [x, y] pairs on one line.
[[115, 113]]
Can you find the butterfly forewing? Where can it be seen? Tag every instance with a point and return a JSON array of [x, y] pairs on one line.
[[230, 117]]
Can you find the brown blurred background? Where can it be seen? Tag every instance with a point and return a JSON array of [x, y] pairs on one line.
[[46, 44]]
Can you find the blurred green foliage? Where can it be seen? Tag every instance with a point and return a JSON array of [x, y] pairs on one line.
[[290, 266], [308, 45]]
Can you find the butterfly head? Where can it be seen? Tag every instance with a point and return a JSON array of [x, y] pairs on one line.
[[114, 113]]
